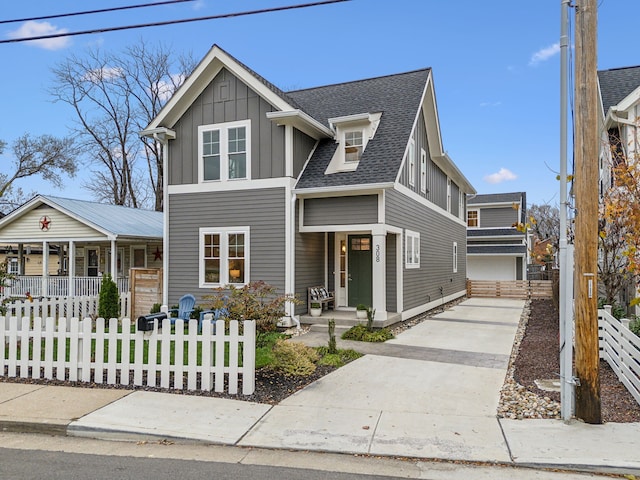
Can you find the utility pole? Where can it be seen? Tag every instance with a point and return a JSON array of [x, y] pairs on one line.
[[587, 360], [566, 265]]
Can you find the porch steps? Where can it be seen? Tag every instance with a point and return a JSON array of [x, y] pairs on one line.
[[344, 321]]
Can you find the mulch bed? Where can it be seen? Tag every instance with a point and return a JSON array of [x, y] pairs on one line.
[[538, 358]]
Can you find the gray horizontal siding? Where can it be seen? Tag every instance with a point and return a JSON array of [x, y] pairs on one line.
[[262, 210], [437, 234], [498, 217], [309, 268], [341, 210], [227, 99]]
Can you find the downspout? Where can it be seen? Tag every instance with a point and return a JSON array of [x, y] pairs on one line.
[[292, 261], [164, 141]]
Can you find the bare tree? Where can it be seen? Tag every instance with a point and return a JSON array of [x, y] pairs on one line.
[[115, 96], [544, 223], [46, 156]]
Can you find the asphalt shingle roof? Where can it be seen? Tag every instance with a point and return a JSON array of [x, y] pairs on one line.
[[496, 198], [616, 84], [397, 96], [494, 249]]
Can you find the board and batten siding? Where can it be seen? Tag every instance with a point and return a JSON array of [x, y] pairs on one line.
[[262, 210], [303, 145], [498, 217], [354, 210], [436, 188], [437, 234], [227, 99]]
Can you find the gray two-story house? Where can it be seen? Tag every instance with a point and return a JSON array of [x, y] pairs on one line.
[[496, 248], [345, 186]]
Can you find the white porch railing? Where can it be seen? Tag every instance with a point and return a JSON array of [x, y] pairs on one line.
[[620, 347], [80, 306], [56, 286], [112, 353]]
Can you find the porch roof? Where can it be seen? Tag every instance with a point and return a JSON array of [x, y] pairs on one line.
[[113, 221]]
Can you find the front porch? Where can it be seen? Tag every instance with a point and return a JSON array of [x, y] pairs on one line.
[[57, 286]]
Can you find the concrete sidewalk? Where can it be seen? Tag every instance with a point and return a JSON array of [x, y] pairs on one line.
[[430, 393]]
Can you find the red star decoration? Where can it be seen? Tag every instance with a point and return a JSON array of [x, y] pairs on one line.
[[45, 223], [157, 255]]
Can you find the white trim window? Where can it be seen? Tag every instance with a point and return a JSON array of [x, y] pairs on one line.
[[473, 218], [423, 170], [224, 151], [412, 249], [224, 256], [411, 163], [12, 266], [455, 257], [353, 145]]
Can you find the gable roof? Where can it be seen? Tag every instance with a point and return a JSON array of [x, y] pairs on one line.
[[616, 84], [112, 220], [397, 96]]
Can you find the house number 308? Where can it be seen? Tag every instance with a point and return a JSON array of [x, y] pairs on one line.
[[377, 253]]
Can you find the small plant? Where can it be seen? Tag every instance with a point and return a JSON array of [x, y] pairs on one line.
[[361, 306], [338, 359], [109, 300], [155, 308], [293, 358], [362, 334], [371, 314], [315, 305], [332, 348]]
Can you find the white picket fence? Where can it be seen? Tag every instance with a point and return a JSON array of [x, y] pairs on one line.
[[109, 352], [620, 347], [80, 307]]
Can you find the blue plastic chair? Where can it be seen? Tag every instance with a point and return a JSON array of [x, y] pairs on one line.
[[216, 315], [186, 305]]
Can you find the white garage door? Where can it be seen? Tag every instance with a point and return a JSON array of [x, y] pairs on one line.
[[491, 268]]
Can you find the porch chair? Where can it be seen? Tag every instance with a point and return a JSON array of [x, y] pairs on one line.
[[186, 305]]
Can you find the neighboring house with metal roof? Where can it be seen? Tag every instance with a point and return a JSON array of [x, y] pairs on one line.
[[345, 186], [82, 239], [496, 249], [619, 119]]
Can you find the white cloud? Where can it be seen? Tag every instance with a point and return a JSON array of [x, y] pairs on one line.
[[501, 176], [103, 74], [38, 29], [166, 89], [544, 54], [199, 5]]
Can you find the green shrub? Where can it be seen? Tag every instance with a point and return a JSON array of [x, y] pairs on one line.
[[337, 359], [155, 308], [634, 326], [109, 300], [361, 306], [292, 358], [362, 334], [257, 301]]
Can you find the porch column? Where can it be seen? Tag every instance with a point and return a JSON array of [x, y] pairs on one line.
[[379, 274], [20, 259], [114, 261], [45, 268], [72, 268]]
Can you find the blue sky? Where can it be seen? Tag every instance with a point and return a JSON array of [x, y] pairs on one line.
[[496, 66]]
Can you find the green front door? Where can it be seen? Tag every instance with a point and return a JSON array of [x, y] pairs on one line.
[[359, 272]]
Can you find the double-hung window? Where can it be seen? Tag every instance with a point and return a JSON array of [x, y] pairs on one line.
[[473, 219], [224, 151], [224, 256], [412, 249], [353, 146]]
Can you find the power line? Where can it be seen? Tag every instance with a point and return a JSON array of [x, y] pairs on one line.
[[171, 22], [88, 12]]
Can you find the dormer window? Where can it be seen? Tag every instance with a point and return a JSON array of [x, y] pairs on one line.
[[352, 133], [353, 146]]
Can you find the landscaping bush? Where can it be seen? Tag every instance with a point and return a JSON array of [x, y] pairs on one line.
[[109, 299], [293, 358], [257, 301], [634, 326], [338, 359], [362, 334]]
